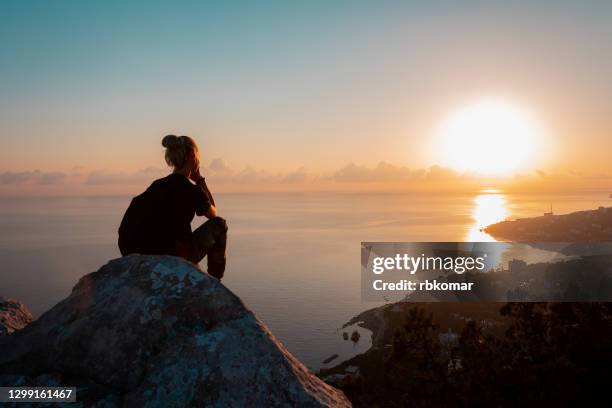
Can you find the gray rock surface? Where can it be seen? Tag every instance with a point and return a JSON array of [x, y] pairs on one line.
[[13, 316], [154, 331]]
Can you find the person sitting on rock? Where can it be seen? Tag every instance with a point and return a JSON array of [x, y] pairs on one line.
[[158, 221]]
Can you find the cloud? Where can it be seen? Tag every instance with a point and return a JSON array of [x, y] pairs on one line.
[[33, 177], [251, 175], [385, 172], [51, 178], [8, 177], [382, 172], [104, 177], [442, 173], [217, 169], [598, 176], [381, 175], [572, 175], [77, 170], [301, 175], [221, 172], [218, 165]]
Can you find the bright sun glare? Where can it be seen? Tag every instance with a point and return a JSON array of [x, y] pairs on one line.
[[490, 138]]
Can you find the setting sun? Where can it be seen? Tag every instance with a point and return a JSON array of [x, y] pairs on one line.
[[490, 138]]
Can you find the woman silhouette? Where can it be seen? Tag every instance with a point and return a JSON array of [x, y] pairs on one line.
[[158, 221]]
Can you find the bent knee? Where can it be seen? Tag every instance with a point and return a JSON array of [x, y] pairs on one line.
[[220, 223]]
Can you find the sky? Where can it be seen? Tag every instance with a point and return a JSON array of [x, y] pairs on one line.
[[292, 91]]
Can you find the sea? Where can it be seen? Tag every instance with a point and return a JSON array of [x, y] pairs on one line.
[[293, 258]]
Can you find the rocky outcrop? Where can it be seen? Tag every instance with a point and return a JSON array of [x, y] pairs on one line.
[[155, 331], [13, 316]]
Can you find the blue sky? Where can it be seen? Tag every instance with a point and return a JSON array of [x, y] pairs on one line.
[[281, 85]]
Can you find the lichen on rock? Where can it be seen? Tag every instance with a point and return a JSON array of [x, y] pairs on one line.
[[155, 331]]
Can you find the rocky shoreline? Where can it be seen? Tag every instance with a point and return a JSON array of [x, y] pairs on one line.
[[384, 320], [579, 226]]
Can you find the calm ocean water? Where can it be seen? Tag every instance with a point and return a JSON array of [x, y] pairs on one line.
[[293, 258]]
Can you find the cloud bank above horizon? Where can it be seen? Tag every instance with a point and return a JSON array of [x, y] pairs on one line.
[[350, 177]]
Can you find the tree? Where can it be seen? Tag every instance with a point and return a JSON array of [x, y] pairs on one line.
[[552, 354]]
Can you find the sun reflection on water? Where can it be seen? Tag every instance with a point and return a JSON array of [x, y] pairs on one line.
[[489, 207]]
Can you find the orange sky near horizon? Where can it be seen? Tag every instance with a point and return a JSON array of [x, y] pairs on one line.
[[290, 96]]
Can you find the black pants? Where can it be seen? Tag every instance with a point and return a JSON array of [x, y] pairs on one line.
[[210, 239]]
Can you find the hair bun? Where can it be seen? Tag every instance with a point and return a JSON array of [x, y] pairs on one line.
[[179, 149], [171, 142]]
